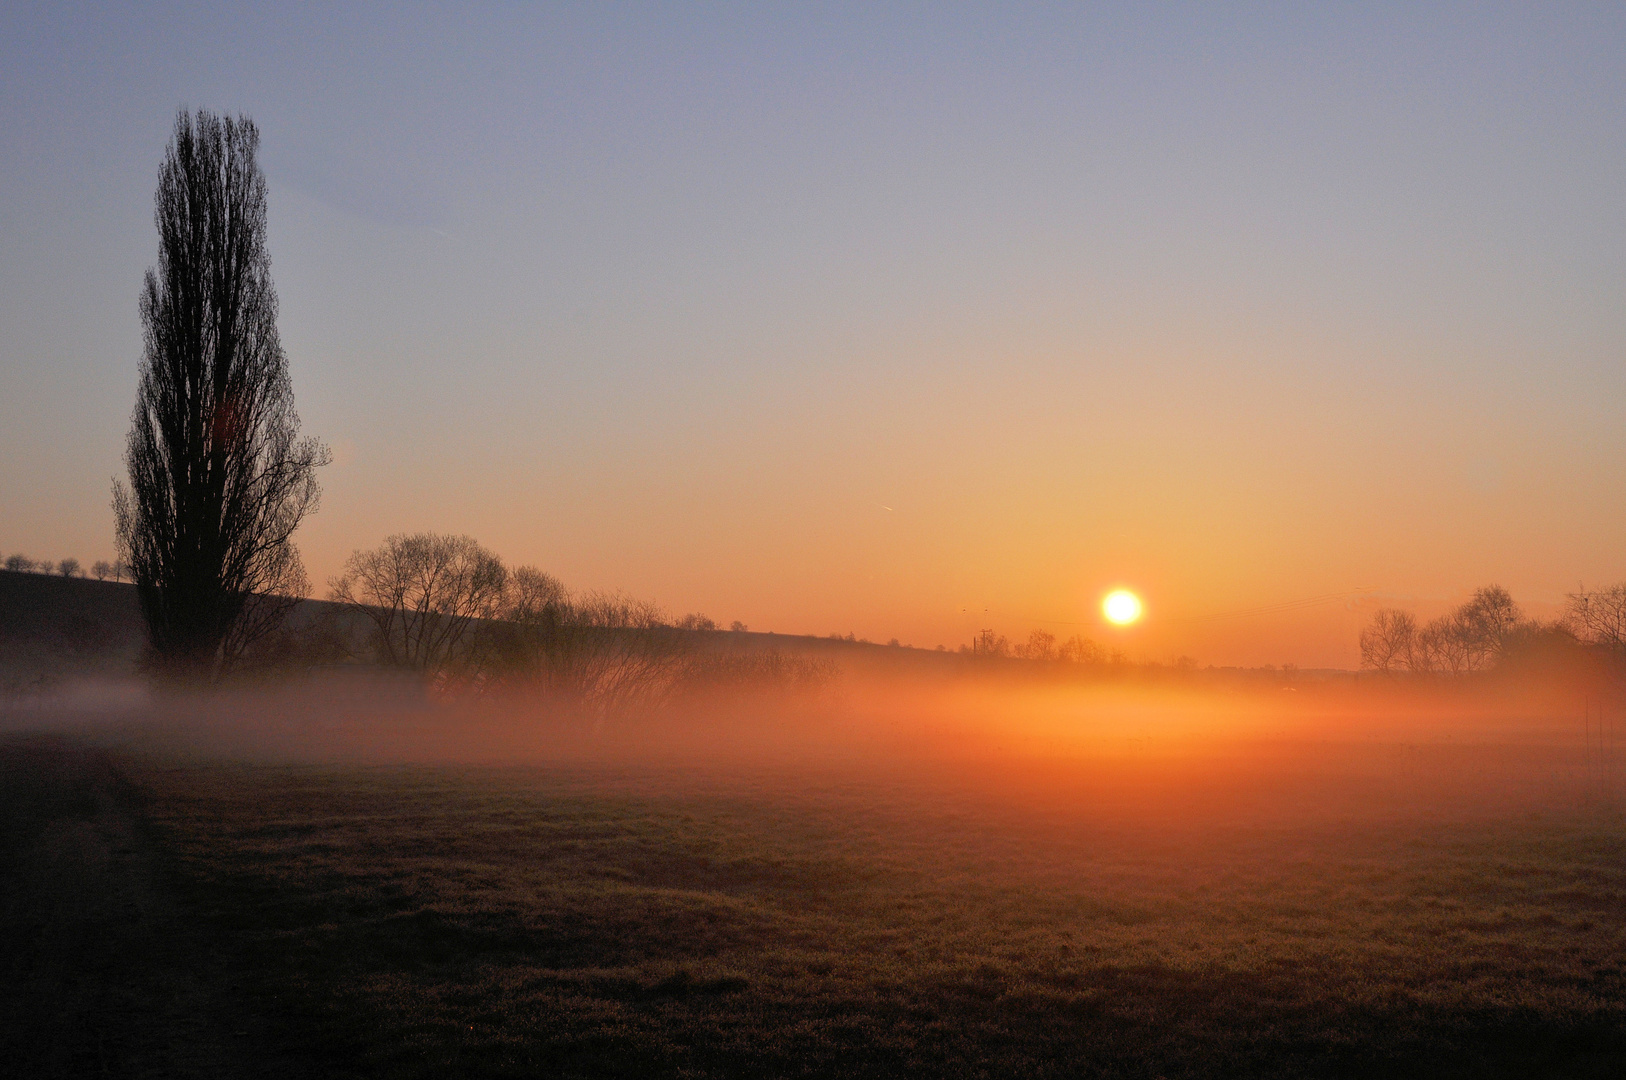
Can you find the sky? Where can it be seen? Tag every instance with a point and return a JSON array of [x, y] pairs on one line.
[[907, 320]]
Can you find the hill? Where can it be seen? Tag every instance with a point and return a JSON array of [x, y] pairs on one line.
[[54, 628]]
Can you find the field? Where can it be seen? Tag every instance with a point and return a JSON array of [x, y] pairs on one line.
[[1291, 907]]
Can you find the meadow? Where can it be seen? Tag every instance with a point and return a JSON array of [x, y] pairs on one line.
[[1288, 903]]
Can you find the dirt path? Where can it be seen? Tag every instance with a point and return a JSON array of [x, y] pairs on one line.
[[102, 973]]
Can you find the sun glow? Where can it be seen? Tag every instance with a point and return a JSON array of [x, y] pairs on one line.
[[1121, 607]]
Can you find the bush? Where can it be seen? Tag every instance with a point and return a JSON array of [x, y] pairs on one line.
[[770, 671], [605, 651]]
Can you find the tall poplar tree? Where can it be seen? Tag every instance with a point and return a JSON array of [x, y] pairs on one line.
[[219, 478]]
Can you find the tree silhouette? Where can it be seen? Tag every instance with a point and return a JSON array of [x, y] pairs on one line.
[[219, 479], [1475, 636], [423, 592], [1389, 642], [1041, 645], [1486, 624], [1599, 617]]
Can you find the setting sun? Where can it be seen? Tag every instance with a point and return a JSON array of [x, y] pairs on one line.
[[1121, 607]]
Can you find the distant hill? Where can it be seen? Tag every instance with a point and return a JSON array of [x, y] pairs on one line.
[[54, 628]]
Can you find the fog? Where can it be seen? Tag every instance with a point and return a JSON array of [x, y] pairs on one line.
[[1287, 874], [1177, 748]]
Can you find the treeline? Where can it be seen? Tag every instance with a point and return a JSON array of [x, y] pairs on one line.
[[101, 570], [1041, 646], [451, 610], [1044, 646], [1490, 630]]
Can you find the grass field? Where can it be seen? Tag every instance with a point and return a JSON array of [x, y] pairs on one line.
[[172, 917]]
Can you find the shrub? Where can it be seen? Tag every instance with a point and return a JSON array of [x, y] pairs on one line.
[[696, 621]]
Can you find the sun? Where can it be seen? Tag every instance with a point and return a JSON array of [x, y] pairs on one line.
[[1121, 607]]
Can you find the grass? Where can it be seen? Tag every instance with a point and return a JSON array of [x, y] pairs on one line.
[[877, 897], [591, 921]]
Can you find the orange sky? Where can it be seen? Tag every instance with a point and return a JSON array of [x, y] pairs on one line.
[[878, 321]]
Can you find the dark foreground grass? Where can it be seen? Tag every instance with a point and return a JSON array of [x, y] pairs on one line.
[[421, 922]]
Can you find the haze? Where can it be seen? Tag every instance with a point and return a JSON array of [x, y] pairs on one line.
[[907, 321]]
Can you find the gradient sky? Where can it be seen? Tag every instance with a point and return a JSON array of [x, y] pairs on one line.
[[901, 319]]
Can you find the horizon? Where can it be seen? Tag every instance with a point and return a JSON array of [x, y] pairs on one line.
[[906, 322]]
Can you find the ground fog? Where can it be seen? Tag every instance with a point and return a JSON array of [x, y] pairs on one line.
[[888, 877]]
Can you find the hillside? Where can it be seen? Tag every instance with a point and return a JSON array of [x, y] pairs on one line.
[[51, 627], [54, 628]]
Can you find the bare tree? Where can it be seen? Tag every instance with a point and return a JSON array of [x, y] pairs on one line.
[[18, 563], [219, 479], [534, 597], [1474, 636], [1486, 624], [1598, 617], [525, 639], [1041, 645], [69, 567], [621, 653], [422, 594], [101, 569], [606, 651], [1081, 650], [1442, 648], [1389, 642]]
